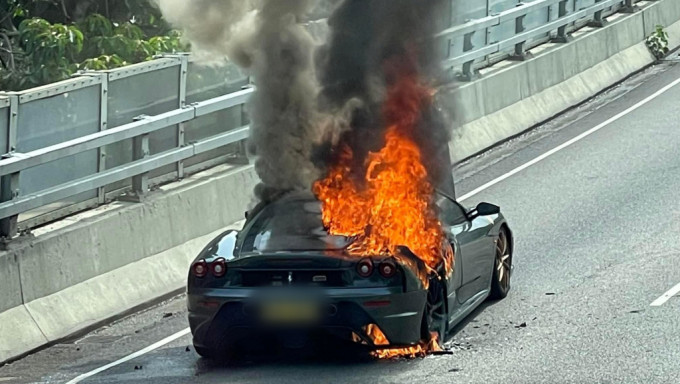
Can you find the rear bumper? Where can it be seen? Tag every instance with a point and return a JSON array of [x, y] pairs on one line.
[[226, 316]]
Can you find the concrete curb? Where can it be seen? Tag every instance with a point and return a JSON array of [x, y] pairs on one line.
[[20, 333]]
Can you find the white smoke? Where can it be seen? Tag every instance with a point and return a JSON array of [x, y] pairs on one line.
[[207, 24]]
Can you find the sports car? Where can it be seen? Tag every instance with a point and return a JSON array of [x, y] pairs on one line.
[[284, 278]]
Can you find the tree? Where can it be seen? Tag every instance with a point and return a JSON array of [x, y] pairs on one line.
[[42, 41]]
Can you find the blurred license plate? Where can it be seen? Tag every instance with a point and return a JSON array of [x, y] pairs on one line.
[[290, 313]]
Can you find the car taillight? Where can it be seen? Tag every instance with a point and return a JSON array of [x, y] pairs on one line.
[[365, 267], [219, 267], [387, 268], [200, 268]]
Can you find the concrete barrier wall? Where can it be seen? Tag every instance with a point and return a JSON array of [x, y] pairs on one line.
[[10, 285], [92, 267], [119, 234], [82, 270]]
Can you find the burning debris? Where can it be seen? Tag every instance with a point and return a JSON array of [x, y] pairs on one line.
[[420, 350]]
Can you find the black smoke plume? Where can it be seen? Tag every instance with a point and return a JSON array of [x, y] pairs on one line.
[[266, 39], [370, 43], [311, 98]]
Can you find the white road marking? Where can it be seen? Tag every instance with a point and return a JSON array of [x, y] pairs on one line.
[[570, 142], [127, 358], [666, 296], [186, 331]]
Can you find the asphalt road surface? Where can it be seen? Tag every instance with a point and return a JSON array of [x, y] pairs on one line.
[[597, 226]]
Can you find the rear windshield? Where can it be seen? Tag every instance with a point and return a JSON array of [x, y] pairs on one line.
[[291, 226]]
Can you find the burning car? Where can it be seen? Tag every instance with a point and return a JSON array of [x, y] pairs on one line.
[[373, 251], [286, 277]]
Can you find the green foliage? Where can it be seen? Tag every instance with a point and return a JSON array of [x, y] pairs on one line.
[[103, 62], [658, 42], [43, 41], [50, 49]]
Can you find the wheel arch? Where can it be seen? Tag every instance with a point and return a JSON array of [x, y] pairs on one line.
[[511, 237]]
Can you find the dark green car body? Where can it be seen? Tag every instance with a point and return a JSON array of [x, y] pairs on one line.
[[284, 255]]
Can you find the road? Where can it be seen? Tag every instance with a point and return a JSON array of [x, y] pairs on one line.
[[596, 226]]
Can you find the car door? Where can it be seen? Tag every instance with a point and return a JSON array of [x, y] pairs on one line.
[[451, 215], [471, 238]]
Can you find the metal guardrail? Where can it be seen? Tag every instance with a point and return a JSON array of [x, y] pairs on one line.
[[13, 165], [150, 151], [516, 46], [61, 156]]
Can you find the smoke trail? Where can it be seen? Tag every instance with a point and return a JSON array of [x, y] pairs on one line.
[[366, 39], [278, 51], [306, 96], [266, 39], [208, 24]]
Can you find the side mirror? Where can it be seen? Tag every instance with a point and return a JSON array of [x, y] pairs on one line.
[[484, 209]]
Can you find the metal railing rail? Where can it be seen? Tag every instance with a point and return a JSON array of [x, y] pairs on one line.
[[518, 42], [14, 163]]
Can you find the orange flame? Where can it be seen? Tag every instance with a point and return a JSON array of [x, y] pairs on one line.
[[393, 206], [412, 352]]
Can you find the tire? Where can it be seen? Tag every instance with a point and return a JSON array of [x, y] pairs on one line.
[[435, 318], [205, 353], [502, 267]]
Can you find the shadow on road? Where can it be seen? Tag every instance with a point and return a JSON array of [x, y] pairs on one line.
[[470, 318], [298, 366]]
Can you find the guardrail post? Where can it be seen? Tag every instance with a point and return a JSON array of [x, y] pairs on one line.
[[183, 73], [103, 77], [9, 190], [243, 144], [103, 125], [598, 21], [241, 157], [140, 150], [520, 48], [468, 73], [562, 35], [629, 7], [9, 184]]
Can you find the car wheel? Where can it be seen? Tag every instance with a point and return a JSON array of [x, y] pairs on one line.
[[500, 284], [435, 318]]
